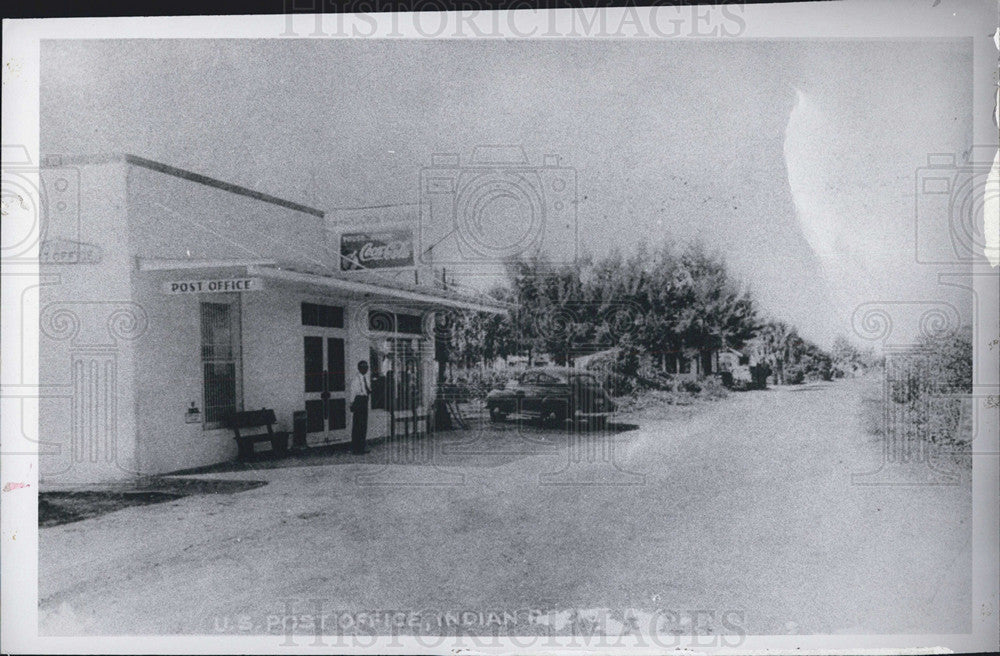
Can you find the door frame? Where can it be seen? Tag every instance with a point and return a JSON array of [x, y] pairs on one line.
[[327, 435]]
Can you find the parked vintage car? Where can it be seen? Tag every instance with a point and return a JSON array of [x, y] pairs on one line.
[[559, 393]]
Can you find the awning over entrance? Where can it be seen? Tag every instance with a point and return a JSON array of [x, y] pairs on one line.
[[390, 290], [407, 293]]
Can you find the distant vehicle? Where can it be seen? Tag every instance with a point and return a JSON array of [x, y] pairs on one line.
[[559, 393]]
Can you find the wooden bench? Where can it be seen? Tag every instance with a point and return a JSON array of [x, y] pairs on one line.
[[251, 419]]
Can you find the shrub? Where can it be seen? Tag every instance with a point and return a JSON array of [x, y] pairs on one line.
[[823, 370], [950, 370], [611, 368], [713, 387], [690, 385], [950, 360], [928, 388], [795, 374]]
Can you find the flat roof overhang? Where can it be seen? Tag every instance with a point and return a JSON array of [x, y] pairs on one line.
[[270, 270], [357, 287]]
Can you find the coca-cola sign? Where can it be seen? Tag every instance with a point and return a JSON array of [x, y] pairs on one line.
[[382, 249]]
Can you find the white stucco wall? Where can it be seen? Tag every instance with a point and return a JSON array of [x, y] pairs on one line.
[[273, 368], [171, 217], [169, 377], [89, 324]]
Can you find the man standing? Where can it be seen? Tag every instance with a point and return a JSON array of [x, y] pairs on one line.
[[360, 392]]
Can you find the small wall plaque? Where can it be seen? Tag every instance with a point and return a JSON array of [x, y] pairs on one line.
[[193, 415]]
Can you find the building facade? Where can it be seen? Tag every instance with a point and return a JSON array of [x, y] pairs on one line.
[[169, 300]]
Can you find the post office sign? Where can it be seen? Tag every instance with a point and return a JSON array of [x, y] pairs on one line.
[[213, 286]]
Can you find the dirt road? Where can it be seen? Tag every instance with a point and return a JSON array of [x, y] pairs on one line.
[[745, 512]]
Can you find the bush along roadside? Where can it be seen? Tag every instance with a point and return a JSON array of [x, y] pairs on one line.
[[925, 393]]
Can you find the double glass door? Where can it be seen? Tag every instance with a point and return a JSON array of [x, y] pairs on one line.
[[397, 375], [325, 385]]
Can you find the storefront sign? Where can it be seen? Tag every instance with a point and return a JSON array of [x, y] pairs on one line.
[[213, 286], [67, 251], [382, 249]]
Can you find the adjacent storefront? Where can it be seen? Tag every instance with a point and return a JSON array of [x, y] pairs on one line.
[[209, 298]]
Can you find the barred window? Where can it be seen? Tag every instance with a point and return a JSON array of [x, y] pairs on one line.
[[220, 359]]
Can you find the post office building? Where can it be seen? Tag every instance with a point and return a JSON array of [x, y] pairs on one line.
[[170, 300]]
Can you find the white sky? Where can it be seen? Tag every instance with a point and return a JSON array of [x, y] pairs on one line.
[[796, 158]]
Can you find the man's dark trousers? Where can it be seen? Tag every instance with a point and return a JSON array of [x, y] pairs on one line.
[[359, 424]]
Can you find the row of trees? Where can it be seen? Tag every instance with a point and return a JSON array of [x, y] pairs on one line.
[[793, 359], [670, 304], [665, 302]]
